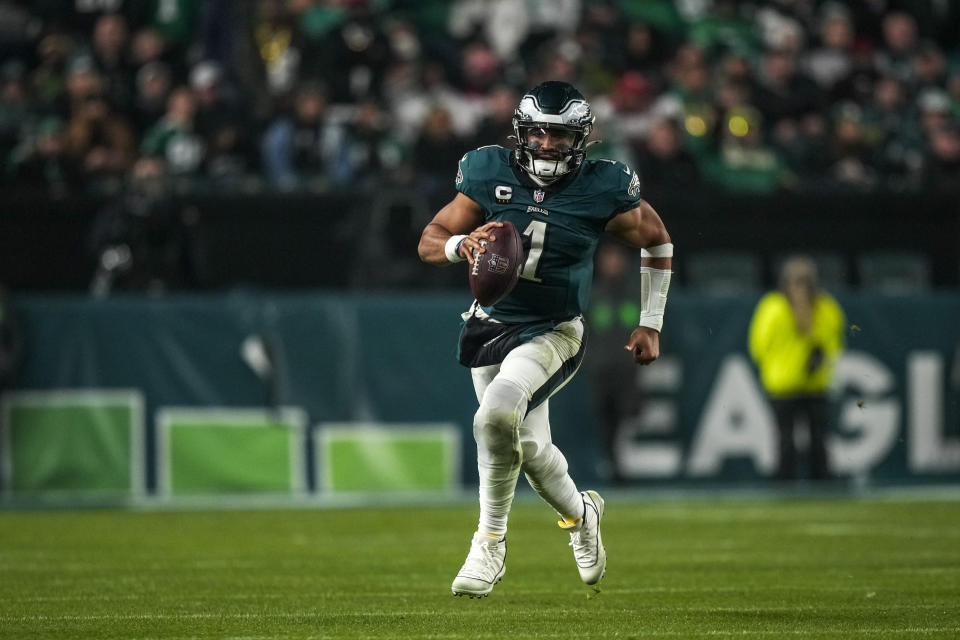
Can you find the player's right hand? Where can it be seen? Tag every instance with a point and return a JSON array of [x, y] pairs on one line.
[[472, 242]]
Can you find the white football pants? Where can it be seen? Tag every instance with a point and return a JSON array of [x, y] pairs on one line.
[[511, 436]]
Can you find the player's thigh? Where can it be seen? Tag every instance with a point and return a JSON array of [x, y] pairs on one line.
[[544, 364]]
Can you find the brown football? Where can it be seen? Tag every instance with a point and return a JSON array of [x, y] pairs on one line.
[[494, 272]]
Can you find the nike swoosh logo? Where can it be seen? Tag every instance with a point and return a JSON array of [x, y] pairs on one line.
[[492, 340]]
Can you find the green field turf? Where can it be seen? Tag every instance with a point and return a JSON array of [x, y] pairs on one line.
[[791, 568]]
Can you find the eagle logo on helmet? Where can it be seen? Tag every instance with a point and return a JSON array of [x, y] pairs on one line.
[[556, 109]]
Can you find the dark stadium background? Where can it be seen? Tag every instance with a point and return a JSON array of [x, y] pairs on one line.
[[230, 404]]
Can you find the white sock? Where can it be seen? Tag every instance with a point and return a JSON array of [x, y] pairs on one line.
[[497, 488]]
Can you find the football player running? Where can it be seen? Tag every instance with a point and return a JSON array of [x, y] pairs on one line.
[[527, 346]]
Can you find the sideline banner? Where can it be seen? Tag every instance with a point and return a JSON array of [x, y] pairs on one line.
[[698, 415], [895, 395]]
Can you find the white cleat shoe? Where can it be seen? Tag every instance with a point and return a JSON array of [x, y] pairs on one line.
[[585, 539], [483, 568]]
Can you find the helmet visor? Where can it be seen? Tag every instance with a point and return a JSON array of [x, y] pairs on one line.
[[546, 140]]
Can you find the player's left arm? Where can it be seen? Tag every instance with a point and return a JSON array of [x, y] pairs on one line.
[[642, 228]]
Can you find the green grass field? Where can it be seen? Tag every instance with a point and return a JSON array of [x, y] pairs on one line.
[[832, 568]]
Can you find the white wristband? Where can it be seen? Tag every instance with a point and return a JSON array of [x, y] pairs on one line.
[[452, 248], [659, 251], [654, 284]]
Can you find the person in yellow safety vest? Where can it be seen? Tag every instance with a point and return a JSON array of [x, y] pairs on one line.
[[796, 335]]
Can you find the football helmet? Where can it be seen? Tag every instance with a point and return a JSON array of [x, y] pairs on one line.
[[551, 125]]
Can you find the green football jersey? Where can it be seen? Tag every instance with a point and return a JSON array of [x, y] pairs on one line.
[[561, 226]]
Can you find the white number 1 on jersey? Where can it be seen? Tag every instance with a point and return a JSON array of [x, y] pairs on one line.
[[537, 230]]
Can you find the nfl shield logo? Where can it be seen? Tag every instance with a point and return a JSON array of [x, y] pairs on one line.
[[538, 195], [497, 263]]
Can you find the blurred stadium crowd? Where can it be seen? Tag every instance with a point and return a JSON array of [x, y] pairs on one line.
[[800, 95]]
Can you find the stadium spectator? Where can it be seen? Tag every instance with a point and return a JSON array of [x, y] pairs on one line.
[[416, 91], [295, 148], [782, 91], [40, 160], [849, 152], [480, 70], [367, 153], [438, 147], [110, 56], [857, 86], [689, 99], [174, 20], [929, 67], [82, 81], [174, 137], [631, 101], [14, 106], [796, 335], [663, 161], [722, 25], [496, 123], [141, 240], [216, 108], [899, 44], [48, 77], [933, 110], [645, 52], [802, 144], [953, 91], [897, 141], [746, 162], [355, 56], [229, 157], [831, 61], [279, 46], [600, 53], [100, 143], [227, 33], [884, 112], [154, 82], [148, 46], [781, 25], [942, 165], [735, 69], [554, 59], [19, 27]]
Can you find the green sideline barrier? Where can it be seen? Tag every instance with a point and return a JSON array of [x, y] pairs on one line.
[[378, 457], [221, 450], [72, 441]]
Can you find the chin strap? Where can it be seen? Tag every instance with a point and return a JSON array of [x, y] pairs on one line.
[[540, 181]]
